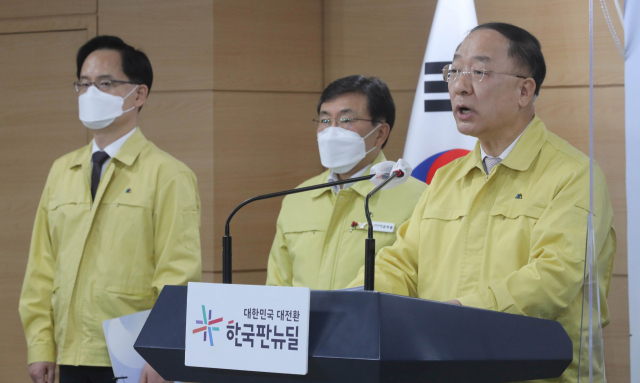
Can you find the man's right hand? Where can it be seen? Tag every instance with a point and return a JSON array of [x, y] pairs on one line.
[[42, 372]]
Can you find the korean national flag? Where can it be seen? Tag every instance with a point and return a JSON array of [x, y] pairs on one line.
[[433, 139]]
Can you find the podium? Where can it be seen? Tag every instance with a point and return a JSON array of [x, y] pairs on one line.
[[362, 336]]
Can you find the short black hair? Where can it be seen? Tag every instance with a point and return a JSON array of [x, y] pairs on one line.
[[135, 64], [524, 48], [379, 101]]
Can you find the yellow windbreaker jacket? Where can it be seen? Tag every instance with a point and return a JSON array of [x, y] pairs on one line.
[[511, 241], [90, 262], [316, 244]]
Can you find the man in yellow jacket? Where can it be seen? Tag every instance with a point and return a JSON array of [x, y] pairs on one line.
[[320, 235], [504, 228], [117, 221]]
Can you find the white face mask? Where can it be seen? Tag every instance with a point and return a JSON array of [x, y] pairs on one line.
[[99, 109], [341, 149]]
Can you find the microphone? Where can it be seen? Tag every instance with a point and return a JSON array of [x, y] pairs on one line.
[[226, 240], [370, 242]]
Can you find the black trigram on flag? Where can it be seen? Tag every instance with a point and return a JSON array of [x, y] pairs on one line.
[[438, 86]]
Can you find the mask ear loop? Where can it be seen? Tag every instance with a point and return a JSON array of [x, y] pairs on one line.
[[370, 133], [124, 98]]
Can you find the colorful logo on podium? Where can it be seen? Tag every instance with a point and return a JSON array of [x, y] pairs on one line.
[[207, 328]]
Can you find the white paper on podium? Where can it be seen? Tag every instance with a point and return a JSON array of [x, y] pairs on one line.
[[121, 333], [249, 328]]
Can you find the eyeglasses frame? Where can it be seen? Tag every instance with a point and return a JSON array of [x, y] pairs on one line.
[[447, 69], [318, 121], [77, 83]]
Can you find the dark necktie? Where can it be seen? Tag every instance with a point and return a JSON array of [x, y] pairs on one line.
[[98, 159]]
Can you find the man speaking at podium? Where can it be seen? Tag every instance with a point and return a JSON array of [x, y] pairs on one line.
[[504, 228], [320, 235], [118, 220]]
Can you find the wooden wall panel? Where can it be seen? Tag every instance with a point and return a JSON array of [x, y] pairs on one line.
[[562, 26], [616, 334], [268, 45], [85, 23], [38, 123], [176, 35], [379, 38], [181, 123], [566, 113], [263, 142], [207, 276], [35, 8]]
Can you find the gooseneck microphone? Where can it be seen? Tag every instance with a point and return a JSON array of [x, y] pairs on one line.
[[226, 240], [370, 242]]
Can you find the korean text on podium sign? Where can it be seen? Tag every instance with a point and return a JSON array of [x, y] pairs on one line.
[[249, 328]]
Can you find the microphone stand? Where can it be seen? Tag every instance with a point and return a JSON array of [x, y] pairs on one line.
[[226, 240], [370, 242]]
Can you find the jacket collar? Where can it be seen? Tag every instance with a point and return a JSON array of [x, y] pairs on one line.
[[363, 188], [132, 148], [81, 156], [127, 154], [522, 155]]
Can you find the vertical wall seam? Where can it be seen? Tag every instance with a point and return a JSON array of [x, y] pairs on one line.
[[213, 131], [322, 28], [97, 17]]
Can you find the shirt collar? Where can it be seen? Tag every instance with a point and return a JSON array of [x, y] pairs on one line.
[[113, 148], [525, 150], [506, 152], [127, 154], [362, 188]]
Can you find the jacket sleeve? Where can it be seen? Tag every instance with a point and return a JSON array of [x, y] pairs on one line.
[[176, 219], [396, 267], [554, 275], [35, 306], [279, 266]]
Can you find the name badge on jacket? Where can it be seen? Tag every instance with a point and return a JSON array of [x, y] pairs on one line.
[[385, 227]]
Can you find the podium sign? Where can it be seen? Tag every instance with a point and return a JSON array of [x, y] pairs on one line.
[[249, 328]]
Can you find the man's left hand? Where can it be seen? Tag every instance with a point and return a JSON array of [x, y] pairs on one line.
[[149, 375], [454, 302]]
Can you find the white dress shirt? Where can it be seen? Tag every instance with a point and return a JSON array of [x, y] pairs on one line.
[[111, 150], [506, 152]]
